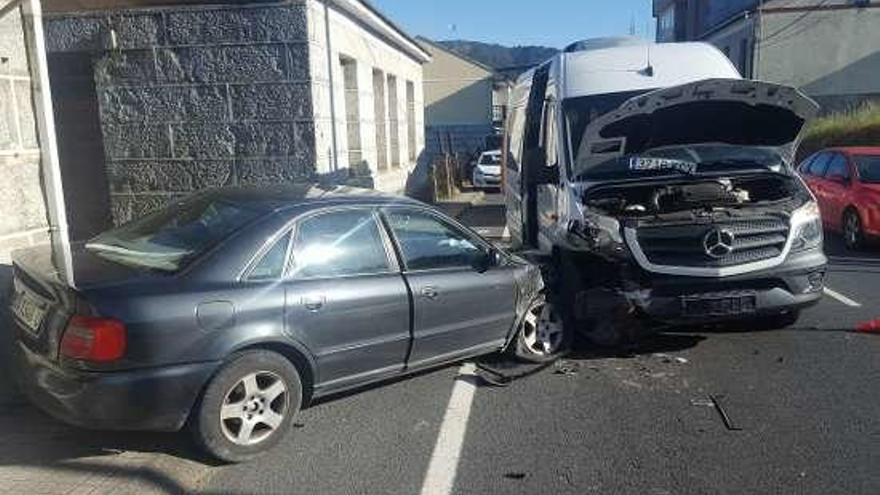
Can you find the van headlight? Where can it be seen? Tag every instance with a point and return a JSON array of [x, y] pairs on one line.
[[806, 223]]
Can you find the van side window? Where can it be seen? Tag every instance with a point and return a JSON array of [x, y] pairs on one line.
[[515, 142]]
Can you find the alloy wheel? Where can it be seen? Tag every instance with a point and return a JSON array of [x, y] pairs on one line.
[[254, 408], [542, 330], [852, 230]]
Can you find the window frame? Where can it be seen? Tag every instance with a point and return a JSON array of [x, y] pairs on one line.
[[392, 262], [268, 245], [450, 223]]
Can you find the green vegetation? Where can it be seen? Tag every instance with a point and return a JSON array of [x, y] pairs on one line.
[[859, 127]]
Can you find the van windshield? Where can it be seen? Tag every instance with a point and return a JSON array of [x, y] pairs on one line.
[[579, 112]]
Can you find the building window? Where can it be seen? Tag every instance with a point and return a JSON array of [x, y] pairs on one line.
[[352, 111], [411, 120], [666, 25], [393, 123], [379, 113]]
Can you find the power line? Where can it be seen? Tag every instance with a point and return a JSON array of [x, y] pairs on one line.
[[799, 19]]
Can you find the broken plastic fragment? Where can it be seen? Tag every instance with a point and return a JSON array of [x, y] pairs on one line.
[[872, 326]]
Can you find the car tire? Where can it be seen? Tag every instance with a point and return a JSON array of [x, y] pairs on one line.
[[542, 335], [853, 234], [248, 407]]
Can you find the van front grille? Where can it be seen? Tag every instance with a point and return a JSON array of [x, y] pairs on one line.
[[735, 242]]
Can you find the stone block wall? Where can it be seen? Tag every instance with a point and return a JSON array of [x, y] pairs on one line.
[[23, 218], [196, 97]]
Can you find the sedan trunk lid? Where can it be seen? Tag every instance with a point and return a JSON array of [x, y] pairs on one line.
[[46, 294]]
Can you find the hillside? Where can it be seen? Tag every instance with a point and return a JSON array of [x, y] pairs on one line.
[[499, 56]]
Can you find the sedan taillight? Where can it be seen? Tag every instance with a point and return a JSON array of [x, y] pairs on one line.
[[98, 340]]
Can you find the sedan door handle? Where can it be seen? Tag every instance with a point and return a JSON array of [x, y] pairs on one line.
[[314, 302], [430, 293]]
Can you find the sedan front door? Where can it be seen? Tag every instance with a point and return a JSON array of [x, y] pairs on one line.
[[346, 299], [460, 306]]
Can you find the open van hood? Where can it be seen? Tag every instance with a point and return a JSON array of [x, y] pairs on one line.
[[728, 111]]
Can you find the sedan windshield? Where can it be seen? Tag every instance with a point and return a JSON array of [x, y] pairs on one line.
[[168, 239], [490, 159], [687, 160], [869, 168]]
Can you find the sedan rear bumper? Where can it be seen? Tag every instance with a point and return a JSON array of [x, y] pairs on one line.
[[157, 399]]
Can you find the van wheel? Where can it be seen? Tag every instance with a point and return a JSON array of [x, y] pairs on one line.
[[248, 407], [853, 235], [542, 335]]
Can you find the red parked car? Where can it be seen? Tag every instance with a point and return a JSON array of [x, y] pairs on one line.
[[846, 182]]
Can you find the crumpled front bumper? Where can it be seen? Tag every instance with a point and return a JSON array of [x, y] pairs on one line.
[[796, 284]]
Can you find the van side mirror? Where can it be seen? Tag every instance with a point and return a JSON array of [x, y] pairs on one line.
[[536, 166]]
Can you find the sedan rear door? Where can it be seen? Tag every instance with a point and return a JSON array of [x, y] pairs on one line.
[[459, 308]]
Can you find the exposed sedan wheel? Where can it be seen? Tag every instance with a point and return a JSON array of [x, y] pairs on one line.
[[248, 406], [853, 235], [542, 335]]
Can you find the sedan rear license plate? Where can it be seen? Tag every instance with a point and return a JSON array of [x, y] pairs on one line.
[[719, 305], [29, 310]]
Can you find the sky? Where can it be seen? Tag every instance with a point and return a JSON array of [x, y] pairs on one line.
[[554, 23]]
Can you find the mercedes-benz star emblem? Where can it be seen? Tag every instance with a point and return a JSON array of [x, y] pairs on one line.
[[718, 243]]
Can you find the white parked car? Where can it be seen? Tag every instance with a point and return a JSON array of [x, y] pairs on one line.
[[487, 170]]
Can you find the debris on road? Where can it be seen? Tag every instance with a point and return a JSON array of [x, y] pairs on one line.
[[515, 476], [666, 358], [728, 423], [566, 368], [702, 403], [872, 326]]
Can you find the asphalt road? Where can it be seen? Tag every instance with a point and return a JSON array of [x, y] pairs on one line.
[[802, 402]]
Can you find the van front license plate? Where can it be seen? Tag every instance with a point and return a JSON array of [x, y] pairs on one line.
[[719, 306], [29, 311]]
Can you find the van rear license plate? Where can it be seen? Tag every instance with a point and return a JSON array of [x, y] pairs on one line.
[[719, 306], [29, 311]]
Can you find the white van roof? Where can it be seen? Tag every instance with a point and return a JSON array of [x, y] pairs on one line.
[[625, 67]]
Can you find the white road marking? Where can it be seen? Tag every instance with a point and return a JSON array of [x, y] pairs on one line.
[[841, 298], [444, 461]]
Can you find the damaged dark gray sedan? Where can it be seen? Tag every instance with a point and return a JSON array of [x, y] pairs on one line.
[[231, 310]]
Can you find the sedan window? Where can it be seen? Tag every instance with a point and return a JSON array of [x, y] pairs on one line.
[[340, 243], [271, 265], [820, 165], [428, 243], [869, 168], [837, 167]]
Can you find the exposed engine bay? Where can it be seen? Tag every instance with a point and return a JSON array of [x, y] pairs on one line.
[[696, 195]]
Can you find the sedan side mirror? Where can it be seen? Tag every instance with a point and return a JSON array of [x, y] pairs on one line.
[[485, 260]]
